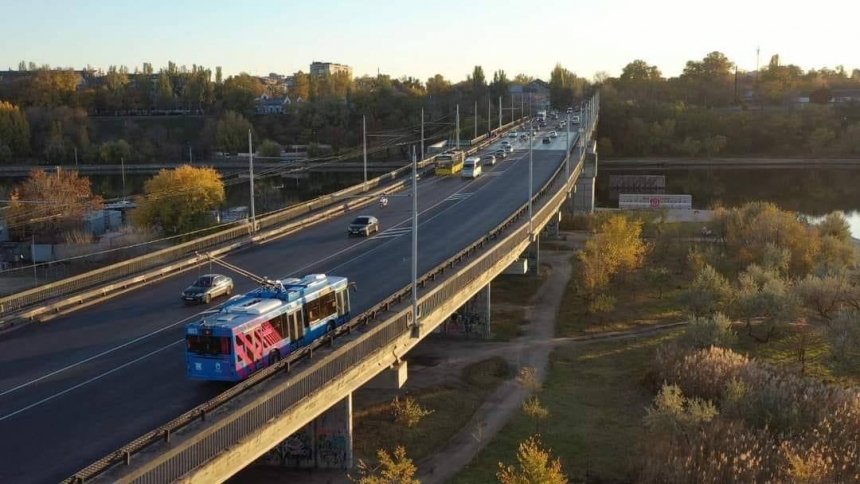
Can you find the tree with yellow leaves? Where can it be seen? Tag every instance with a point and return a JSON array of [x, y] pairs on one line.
[[394, 468], [535, 466], [178, 201]]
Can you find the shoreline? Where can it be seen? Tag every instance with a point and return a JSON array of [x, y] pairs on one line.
[[686, 163]]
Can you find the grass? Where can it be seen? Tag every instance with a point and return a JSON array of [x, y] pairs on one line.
[[596, 398], [637, 302], [782, 347], [511, 294], [452, 404]]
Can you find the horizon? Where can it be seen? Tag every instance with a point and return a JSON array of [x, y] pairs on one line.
[[361, 37]]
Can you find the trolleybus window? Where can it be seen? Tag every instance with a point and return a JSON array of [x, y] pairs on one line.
[[208, 345]]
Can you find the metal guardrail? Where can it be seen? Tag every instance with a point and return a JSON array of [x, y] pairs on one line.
[[247, 421], [16, 302]]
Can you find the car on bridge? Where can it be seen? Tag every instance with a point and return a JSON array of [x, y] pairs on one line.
[[208, 287], [363, 225], [501, 154], [553, 134], [509, 149], [489, 160], [546, 140], [513, 134]]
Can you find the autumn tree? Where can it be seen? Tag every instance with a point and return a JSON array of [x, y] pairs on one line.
[[408, 412], [535, 465], [14, 132], [394, 468], [48, 204], [178, 201], [231, 133]]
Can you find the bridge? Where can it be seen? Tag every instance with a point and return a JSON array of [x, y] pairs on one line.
[[109, 379]]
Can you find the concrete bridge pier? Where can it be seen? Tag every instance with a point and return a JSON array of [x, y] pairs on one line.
[[473, 318], [324, 443], [583, 197]]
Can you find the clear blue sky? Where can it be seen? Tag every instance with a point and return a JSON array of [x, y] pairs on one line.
[[426, 37]]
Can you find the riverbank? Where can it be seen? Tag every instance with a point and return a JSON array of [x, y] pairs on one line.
[[686, 163]]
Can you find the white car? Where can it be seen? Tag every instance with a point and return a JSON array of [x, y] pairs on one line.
[[553, 134], [509, 148], [488, 160], [513, 134]]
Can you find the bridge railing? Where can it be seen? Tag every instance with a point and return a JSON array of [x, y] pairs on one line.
[[65, 287], [176, 461]]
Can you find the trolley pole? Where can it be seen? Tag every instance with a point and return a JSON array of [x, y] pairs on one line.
[[364, 144]]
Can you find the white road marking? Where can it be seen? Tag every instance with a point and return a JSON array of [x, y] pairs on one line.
[[79, 385], [114, 370], [91, 358]]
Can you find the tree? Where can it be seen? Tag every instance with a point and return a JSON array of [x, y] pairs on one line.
[[408, 412], [535, 411], [47, 204], [707, 294], [231, 133], [478, 82], [270, 149], [178, 201], [116, 152], [500, 85], [393, 468], [822, 295], [301, 87], [535, 466], [659, 278], [844, 336], [820, 140], [713, 145], [522, 79], [709, 331], [14, 130], [438, 86]]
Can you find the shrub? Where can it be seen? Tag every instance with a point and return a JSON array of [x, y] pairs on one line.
[[709, 331]]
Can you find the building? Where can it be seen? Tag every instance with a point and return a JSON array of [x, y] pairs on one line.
[[329, 68], [267, 104]]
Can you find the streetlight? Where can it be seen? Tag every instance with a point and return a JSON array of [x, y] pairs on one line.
[[531, 160], [416, 326], [251, 179]]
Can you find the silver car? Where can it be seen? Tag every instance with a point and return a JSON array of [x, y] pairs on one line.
[[488, 160], [208, 287], [363, 225]]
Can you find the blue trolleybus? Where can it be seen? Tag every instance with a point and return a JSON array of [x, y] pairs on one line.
[[253, 331]]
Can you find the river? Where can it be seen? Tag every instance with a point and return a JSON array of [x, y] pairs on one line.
[[811, 191]]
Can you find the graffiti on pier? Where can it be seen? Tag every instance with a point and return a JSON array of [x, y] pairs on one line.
[[331, 449], [295, 452]]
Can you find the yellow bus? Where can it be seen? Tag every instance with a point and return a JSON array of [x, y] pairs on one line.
[[449, 163]]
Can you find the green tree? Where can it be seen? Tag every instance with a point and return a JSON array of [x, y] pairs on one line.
[[707, 294], [116, 152], [408, 412], [535, 410], [535, 465], [713, 145], [231, 133], [709, 331], [658, 278], [178, 201], [14, 130], [438, 86], [394, 468], [821, 140], [270, 149]]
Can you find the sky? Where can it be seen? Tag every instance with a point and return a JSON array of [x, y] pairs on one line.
[[421, 39]]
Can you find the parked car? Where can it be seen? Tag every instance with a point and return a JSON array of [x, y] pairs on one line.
[[489, 160], [363, 225], [500, 154], [546, 141], [208, 287]]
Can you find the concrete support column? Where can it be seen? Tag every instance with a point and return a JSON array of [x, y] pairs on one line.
[[583, 198], [489, 310], [325, 443]]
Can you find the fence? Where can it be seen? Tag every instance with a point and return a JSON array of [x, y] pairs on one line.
[[16, 302], [177, 461]]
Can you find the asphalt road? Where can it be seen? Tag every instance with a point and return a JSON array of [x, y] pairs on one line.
[[80, 386]]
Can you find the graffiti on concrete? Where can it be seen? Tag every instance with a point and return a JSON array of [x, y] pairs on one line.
[[295, 452], [331, 449]]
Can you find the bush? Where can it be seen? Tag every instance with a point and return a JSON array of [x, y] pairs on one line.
[[709, 331]]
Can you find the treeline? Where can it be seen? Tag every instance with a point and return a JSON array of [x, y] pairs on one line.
[[63, 116], [713, 109]]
